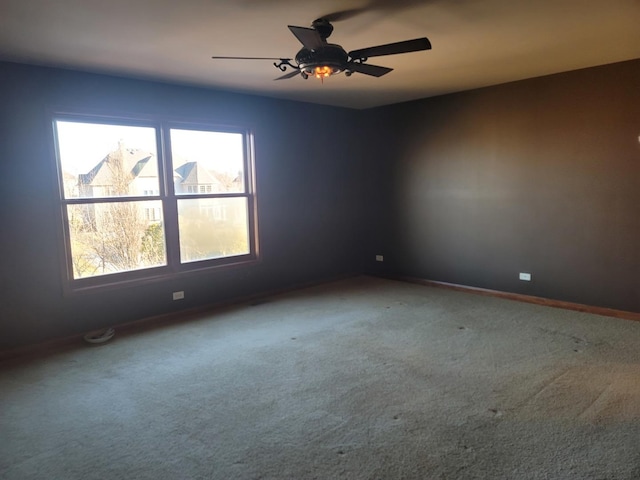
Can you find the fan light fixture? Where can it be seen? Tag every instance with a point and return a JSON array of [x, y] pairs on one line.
[[322, 61], [323, 71]]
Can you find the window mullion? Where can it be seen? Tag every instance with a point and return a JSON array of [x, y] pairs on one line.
[[169, 203]]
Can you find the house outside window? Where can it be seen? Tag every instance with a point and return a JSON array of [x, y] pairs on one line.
[[130, 213]]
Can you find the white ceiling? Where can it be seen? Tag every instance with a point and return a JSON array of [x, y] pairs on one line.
[[475, 42]]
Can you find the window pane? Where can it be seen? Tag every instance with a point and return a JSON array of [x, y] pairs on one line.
[[107, 160], [213, 228], [207, 162], [115, 237]]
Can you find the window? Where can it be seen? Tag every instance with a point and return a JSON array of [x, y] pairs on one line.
[[141, 200], [152, 214]]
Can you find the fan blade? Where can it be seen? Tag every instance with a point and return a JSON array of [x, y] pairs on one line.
[[308, 37], [288, 75], [392, 48], [342, 15], [251, 58], [373, 70]]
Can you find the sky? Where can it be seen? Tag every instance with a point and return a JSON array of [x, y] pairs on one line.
[[83, 145]]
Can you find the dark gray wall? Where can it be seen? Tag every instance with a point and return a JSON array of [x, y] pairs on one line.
[[308, 201], [539, 176]]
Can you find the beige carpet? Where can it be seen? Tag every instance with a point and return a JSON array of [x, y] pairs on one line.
[[359, 379]]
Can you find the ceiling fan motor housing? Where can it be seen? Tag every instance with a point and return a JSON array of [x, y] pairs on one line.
[[323, 27], [329, 55]]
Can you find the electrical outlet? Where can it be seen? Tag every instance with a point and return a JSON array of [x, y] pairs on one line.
[[525, 276], [178, 295], [379, 258]]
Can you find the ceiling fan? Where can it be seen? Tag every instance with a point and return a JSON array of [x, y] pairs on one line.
[[321, 59]]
